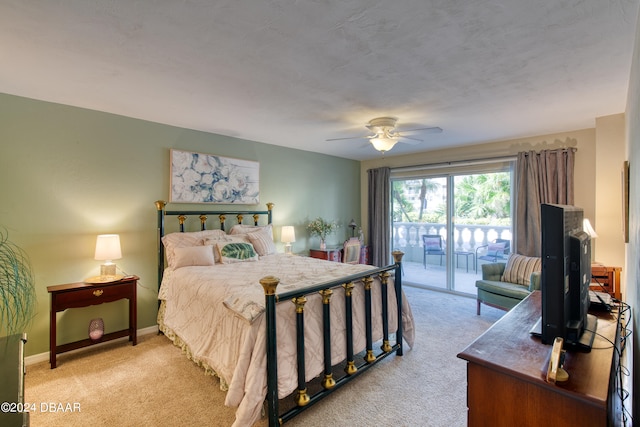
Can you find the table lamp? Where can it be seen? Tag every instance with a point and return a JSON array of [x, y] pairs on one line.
[[107, 249], [287, 237]]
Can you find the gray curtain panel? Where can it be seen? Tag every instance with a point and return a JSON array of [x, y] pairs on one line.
[[379, 215], [544, 177]]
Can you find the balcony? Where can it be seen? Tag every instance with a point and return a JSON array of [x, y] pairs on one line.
[[467, 238]]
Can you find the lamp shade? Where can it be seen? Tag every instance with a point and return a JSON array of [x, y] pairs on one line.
[[288, 234], [587, 228], [108, 247]]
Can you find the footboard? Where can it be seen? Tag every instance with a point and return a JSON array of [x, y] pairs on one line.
[[352, 367]]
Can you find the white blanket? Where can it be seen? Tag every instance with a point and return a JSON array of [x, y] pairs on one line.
[[218, 313]]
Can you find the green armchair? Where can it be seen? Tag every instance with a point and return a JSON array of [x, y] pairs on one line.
[[495, 292]]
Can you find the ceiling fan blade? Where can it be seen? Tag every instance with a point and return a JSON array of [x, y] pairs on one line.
[[349, 137], [411, 138], [432, 129]]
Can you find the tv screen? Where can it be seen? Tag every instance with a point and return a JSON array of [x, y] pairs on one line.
[[565, 278]]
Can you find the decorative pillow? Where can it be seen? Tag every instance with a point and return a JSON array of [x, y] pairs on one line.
[[519, 269], [262, 242], [193, 255], [432, 243], [244, 229], [496, 249], [214, 240], [181, 240], [231, 252]]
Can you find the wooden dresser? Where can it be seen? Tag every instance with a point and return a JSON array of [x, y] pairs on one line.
[[506, 376]]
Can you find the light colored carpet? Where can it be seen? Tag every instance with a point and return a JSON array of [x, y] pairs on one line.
[[153, 383]]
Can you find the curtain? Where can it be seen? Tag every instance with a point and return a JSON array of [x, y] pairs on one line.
[[545, 177], [379, 212]]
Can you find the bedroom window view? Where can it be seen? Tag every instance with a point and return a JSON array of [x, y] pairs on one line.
[[475, 207]]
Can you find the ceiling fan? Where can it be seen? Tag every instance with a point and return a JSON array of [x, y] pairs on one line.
[[385, 135]]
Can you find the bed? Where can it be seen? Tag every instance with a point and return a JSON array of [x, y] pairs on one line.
[[275, 328]]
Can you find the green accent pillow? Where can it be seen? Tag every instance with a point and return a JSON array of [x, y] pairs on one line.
[[231, 252]]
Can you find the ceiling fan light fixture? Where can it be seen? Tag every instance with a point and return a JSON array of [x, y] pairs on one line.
[[383, 143]]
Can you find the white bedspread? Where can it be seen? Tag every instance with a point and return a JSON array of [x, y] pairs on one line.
[[218, 313]]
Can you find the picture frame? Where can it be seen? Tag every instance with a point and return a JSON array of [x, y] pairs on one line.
[[207, 178], [625, 201]]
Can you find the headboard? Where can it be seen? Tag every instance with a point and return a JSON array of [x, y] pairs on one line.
[[203, 215]]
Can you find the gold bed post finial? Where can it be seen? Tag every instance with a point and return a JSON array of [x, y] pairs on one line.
[[397, 256], [160, 204], [269, 284], [270, 206]]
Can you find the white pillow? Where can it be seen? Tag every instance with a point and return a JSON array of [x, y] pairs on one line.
[[180, 240], [231, 252], [193, 255], [262, 242], [244, 229]]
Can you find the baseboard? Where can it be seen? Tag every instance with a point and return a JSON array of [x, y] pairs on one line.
[[44, 357]]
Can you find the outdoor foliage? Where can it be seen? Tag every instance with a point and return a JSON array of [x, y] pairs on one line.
[[479, 199]]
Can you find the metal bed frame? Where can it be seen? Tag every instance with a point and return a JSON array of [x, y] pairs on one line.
[[354, 364]]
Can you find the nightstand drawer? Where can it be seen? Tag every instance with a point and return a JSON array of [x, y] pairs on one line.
[[92, 295]]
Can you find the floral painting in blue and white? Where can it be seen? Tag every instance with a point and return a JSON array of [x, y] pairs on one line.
[[204, 178]]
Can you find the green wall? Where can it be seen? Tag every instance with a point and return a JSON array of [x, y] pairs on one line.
[[68, 174]]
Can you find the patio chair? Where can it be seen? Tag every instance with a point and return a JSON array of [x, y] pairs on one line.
[[496, 251], [433, 245]]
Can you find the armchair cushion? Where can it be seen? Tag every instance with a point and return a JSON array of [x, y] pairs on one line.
[[519, 268], [493, 290]]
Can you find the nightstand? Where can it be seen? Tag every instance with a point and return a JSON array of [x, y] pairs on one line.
[[75, 295], [329, 254]]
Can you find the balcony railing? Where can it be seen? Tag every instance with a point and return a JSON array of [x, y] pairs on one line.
[[407, 237]]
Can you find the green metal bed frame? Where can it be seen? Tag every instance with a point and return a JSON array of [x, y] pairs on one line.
[[354, 364]]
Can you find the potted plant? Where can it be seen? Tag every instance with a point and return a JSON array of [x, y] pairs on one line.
[[322, 228], [17, 288]]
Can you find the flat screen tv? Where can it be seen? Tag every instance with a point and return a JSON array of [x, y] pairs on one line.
[[565, 278]]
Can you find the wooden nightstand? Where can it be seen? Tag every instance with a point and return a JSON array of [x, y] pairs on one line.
[[329, 254], [75, 295]]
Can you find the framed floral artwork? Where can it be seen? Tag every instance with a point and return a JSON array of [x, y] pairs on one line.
[[205, 178]]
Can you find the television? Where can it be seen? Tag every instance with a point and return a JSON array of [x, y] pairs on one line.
[[565, 278]]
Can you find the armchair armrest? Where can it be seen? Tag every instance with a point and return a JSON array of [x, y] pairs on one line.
[[535, 281], [493, 271]]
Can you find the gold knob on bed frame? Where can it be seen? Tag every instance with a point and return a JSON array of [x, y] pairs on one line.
[[98, 292]]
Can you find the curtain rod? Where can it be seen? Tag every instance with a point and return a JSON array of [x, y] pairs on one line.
[[469, 162], [454, 163]]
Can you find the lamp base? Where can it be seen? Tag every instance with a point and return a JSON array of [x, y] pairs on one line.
[[108, 269]]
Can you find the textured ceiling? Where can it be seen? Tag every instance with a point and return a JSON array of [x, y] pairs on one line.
[[295, 73]]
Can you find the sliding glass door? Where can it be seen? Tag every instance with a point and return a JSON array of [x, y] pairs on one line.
[[444, 221]]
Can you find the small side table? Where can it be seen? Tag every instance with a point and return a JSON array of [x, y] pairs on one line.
[[467, 255], [329, 254], [75, 295], [606, 278]]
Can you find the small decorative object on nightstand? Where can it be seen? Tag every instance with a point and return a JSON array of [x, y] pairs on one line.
[[96, 329]]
